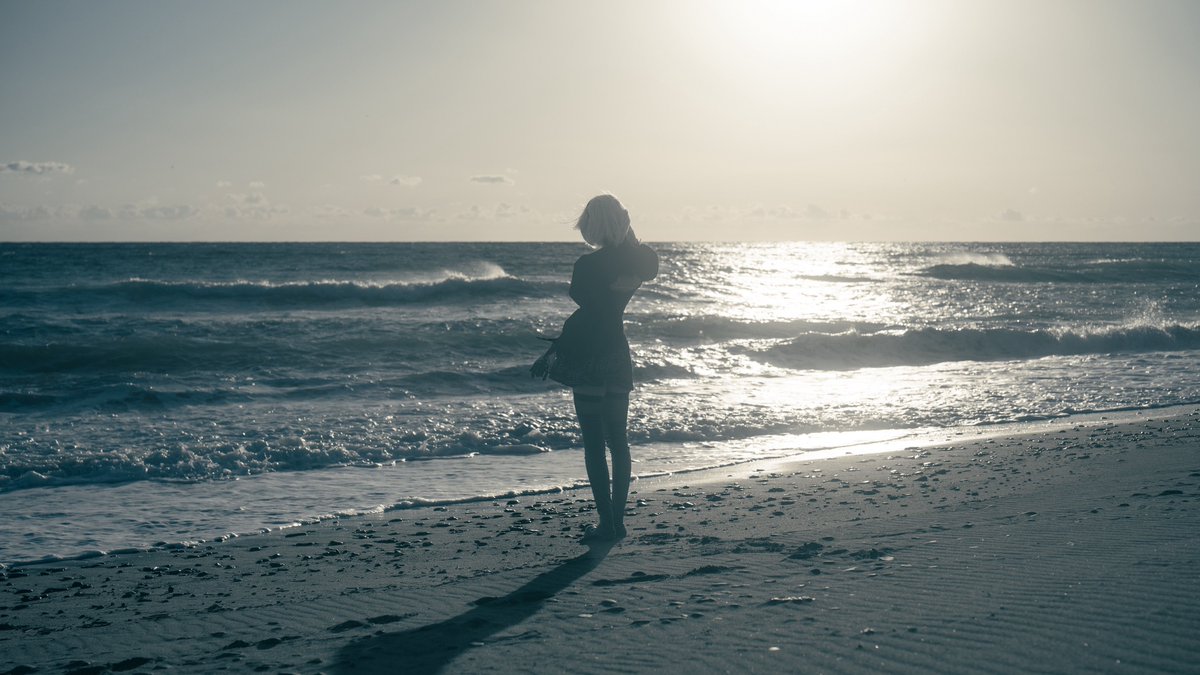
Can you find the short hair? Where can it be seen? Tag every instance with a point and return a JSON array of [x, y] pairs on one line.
[[604, 222]]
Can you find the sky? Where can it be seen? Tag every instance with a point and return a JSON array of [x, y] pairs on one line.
[[876, 120]]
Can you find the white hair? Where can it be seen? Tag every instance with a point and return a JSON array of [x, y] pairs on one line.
[[604, 222]]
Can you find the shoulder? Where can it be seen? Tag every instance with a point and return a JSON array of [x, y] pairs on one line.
[[589, 260]]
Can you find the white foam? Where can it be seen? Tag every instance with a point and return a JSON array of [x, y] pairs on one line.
[[975, 258]]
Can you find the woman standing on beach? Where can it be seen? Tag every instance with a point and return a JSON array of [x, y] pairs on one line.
[[592, 354]]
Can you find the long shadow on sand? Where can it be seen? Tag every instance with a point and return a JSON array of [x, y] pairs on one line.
[[430, 648]]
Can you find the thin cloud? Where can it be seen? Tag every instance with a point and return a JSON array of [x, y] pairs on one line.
[[256, 211], [150, 210], [809, 212], [257, 185], [172, 212], [398, 179], [505, 210], [1012, 215], [472, 213], [95, 213], [331, 211], [224, 184], [406, 213], [253, 206], [25, 168], [250, 199], [25, 214], [492, 180]]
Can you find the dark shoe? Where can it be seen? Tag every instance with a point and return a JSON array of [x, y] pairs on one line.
[[595, 534]]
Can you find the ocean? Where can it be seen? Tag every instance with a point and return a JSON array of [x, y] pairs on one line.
[[155, 394]]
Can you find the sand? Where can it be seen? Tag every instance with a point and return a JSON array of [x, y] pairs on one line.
[[1071, 549]]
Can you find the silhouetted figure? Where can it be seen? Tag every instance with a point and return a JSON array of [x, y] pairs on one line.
[[592, 354]]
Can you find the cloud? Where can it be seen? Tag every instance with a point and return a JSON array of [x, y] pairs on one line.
[[504, 210], [1012, 215], [27, 213], [95, 213], [774, 212], [253, 206], [331, 211], [810, 212], [256, 211], [501, 211], [250, 199], [224, 184], [146, 210], [471, 214], [25, 168], [814, 211], [405, 213], [171, 212], [257, 185], [406, 181], [398, 179], [492, 180]]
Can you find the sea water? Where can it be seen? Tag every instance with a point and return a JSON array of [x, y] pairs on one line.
[[171, 392]]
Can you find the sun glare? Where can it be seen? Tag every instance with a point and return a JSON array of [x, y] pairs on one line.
[[781, 38]]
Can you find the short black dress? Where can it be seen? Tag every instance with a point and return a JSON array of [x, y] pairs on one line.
[[592, 350]]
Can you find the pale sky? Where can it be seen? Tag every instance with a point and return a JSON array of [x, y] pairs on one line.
[[495, 120]]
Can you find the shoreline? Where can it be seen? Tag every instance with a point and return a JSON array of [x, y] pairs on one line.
[[788, 444], [1060, 548]]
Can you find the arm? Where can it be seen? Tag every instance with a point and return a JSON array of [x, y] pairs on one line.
[[644, 267], [646, 262], [541, 367], [586, 287]]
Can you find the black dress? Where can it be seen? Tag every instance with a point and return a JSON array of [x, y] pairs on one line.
[[592, 350]]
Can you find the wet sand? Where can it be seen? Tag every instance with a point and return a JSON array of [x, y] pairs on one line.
[[1064, 550]]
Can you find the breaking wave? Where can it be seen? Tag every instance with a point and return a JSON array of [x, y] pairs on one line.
[[1097, 271], [847, 351], [186, 295]]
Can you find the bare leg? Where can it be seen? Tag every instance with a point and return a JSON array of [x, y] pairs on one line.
[[591, 424], [616, 418]]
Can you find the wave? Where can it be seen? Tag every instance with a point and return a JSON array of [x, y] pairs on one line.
[[972, 257], [977, 272], [188, 295], [716, 327], [327, 293], [97, 395], [118, 397], [1096, 271], [261, 347], [155, 353], [848, 351]]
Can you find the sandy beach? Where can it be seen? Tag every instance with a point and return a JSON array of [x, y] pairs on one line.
[[1065, 549], [320, 322]]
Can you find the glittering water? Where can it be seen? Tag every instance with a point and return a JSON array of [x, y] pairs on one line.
[[137, 380]]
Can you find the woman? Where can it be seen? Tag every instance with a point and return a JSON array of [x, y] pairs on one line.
[[592, 354]]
